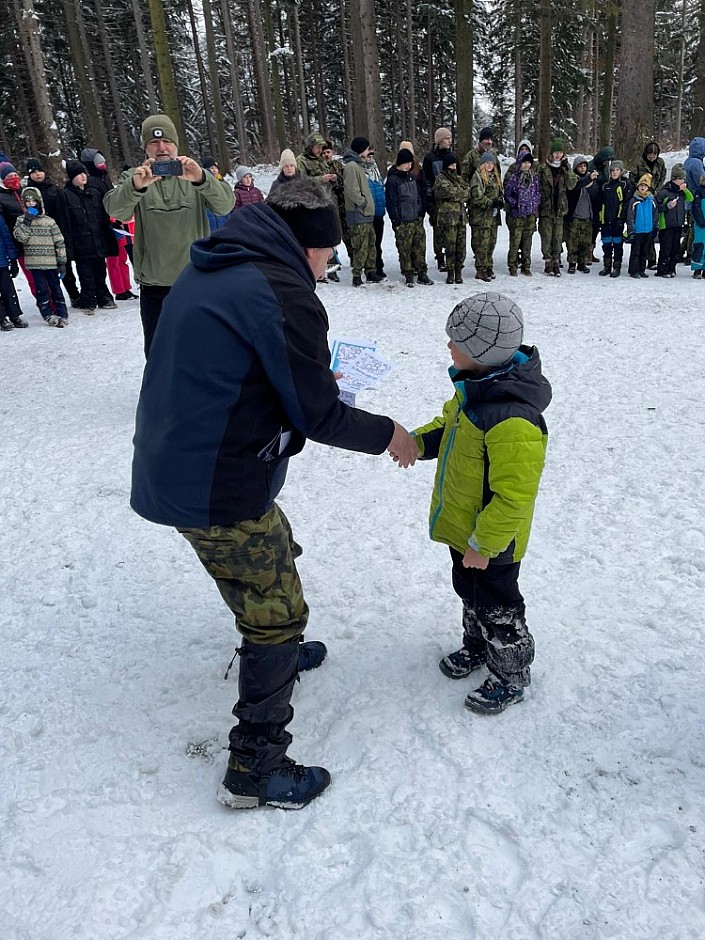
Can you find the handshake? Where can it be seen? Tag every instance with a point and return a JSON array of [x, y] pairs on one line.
[[403, 448]]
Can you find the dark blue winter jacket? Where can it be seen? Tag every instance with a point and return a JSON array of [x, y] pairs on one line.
[[240, 356], [693, 166], [377, 190], [403, 196], [8, 249]]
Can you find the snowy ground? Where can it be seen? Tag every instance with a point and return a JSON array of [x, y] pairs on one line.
[[578, 815]]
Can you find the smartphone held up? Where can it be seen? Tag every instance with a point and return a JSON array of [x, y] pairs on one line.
[[167, 168]]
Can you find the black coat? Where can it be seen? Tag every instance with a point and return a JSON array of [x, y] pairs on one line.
[[12, 208], [54, 204], [403, 195], [614, 201], [90, 233]]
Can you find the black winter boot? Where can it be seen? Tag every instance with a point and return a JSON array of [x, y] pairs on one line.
[[424, 279], [607, 268], [259, 772], [450, 277], [410, 280], [357, 280], [548, 267], [572, 267], [473, 653], [616, 270], [583, 268]]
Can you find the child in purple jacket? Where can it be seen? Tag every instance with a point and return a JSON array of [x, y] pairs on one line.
[[522, 196], [246, 193]]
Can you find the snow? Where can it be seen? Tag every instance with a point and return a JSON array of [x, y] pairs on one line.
[[575, 816]]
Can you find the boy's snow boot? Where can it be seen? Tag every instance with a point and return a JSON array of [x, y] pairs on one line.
[[513, 272], [373, 278], [357, 280], [462, 662], [526, 272], [698, 275], [636, 275], [450, 277], [311, 655], [410, 280], [616, 270], [493, 697], [259, 772], [424, 279], [643, 274], [19, 323], [572, 267], [607, 269], [548, 267], [482, 275], [583, 268], [6, 325]]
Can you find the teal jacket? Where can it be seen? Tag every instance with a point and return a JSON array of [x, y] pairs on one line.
[[490, 443]]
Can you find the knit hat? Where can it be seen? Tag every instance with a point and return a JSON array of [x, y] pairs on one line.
[[449, 159], [208, 161], [287, 159], [309, 211], [487, 327], [407, 145], [616, 165], [359, 144], [486, 134], [488, 157], [525, 158], [557, 145], [677, 173], [32, 165], [578, 160], [5, 170], [241, 172], [404, 156], [158, 127], [645, 180], [442, 134], [73, 168], [525, 143]]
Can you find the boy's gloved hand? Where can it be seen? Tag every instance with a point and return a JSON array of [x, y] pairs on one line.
[[61, 268], [30, 215], [14, 267]]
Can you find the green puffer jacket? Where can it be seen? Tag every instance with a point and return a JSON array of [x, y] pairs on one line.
[[490, 443], [450, 192]]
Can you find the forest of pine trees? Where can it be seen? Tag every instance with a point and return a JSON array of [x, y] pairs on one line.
[[244, 78]]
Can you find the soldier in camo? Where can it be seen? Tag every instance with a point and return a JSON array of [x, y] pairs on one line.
[[555, 178], [360, 212], [432, 167], [578, 220], [485, 206], [450, 193], [404, 199], [311, 162]]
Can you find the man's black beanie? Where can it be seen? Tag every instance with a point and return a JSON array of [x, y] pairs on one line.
[[359, 144], [309, 211], [486, 134]]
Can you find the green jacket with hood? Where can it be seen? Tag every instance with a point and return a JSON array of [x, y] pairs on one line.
[[490, 442], [359, 203], [169, 217]]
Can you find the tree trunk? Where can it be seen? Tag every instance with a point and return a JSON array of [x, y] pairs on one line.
[[264, 96], [205, 98], [165, 69], [698, 124], [301, 81], [223, 157], [347, 83], [635, 101], [373, 94], [681, 77], [605, 133], [235, 89], [429, 77], [359, 101], [463, 75], [274, 64], [518, 79], [543, 120], [144, 59], [111, 72], [315, 65], [411, 67], [397, 76]]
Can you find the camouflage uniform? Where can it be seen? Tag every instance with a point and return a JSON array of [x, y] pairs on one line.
[[411, 245], [253, 565], [521, 234], [450, 192], [485, 194], [307, 164], [471, 163], [363, 245], [578, 241], [554, 205]]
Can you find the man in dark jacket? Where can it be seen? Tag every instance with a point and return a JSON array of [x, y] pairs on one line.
[[217, 421], [405, 208]]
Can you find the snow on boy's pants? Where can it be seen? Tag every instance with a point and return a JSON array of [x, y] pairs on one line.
[[494, 614], [254, 568]]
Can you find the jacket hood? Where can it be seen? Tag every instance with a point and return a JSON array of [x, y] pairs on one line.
[[651, 143], [604, 156], [523, 144], [697, 147], [350, 156], [253, 233], [524, 383], [33, 191]]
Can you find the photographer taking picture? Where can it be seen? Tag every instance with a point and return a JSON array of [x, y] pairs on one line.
[[170, 211]]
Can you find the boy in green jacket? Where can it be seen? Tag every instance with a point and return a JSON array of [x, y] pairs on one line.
[[490, 443]]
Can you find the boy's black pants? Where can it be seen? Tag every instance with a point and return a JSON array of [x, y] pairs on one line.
[[493, 616], [669, 251], [639, 252]]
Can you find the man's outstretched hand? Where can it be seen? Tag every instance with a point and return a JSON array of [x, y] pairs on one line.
[[402, 447]]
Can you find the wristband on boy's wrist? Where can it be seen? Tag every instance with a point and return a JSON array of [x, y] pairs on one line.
[[473, 544]]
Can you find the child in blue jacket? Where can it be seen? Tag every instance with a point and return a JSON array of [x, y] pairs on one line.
[[374, 178], [10, 311], [642, 222]]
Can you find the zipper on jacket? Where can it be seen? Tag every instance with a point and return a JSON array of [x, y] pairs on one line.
[[444, 462]]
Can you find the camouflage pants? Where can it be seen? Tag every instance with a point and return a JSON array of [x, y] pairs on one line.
[[521, 234], [483, 238], [578, 240], [362, 242], [411, 245], [452, 238], [438, 246], [551, 232], [253, 566]]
